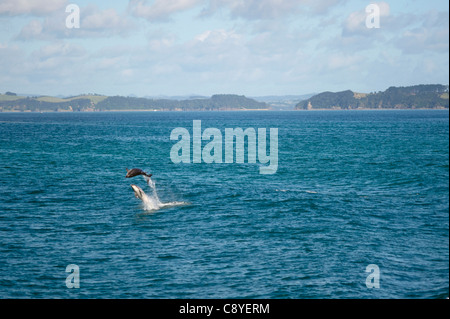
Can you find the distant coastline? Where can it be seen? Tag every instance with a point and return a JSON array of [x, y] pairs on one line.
[[433, 96], [131, 110], [98, 103], [230, 110], [430, 96]]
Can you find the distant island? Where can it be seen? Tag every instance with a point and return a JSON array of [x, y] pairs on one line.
[[11, 102], [434, 96]]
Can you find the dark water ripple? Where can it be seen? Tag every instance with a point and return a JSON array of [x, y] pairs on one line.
[[352, 189]]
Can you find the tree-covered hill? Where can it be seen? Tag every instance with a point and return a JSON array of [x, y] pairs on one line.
[[216, 102], [412, 97], [93, 102]]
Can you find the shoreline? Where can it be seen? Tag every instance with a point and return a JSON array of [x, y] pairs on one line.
[[230, 110], [386, 109]]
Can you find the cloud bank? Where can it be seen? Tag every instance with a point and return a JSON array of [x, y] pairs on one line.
[[205, 47]]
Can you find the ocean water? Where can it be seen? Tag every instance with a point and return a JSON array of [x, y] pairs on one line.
[[353, 188]]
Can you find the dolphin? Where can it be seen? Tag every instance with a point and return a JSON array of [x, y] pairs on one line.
[[139, 193], [136, 172]]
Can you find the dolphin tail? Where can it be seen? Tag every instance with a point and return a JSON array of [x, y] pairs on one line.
[[127, 170], [148, 175]]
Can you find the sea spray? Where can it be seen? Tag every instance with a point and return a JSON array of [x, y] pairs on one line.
[[152, 202], [152, 185]]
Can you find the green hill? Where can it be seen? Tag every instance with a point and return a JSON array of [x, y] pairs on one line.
[[93, 102], [8, 96], [432, 96], [216, 102]]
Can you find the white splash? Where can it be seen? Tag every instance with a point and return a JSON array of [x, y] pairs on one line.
[[152, 202]]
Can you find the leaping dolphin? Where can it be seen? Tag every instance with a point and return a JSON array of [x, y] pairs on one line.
[[136, 172], [139, 193]]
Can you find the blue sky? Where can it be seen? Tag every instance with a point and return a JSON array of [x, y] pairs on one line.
[[249, 47]]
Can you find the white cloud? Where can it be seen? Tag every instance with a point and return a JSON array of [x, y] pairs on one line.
[[108, 63], [93, 23], [423, 40], [343, 61], [11, 64], [217, 37], [215, 49], [59, 49], [236, 46], [9, 53], [160, 44], [127, 73], [430, 33], [33, 30], [412, 33], [32, 7], [160, 9], [323, 6], [52, 64], [56, 58], [162, 68], [255, 9], [270, 9], [107, 21]]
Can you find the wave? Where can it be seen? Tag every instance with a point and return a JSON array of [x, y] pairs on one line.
[[151, 202]]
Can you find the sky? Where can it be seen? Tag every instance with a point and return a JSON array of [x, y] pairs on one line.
[[206, 47]]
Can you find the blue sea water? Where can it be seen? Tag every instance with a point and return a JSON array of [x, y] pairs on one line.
[[353, 188]]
